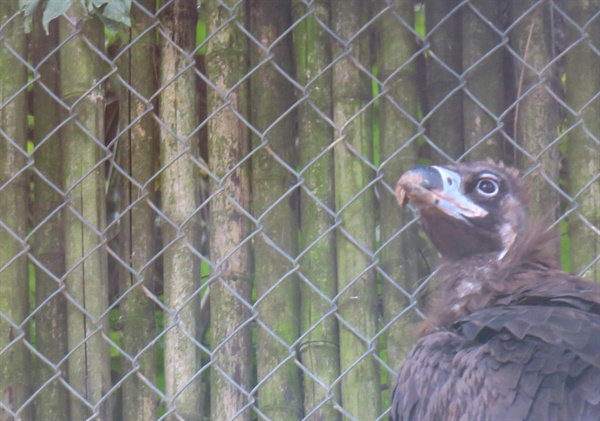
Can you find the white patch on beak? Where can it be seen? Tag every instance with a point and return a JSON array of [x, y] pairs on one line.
[[452, 200]]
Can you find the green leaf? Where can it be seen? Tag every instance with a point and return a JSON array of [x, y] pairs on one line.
[[96, 3], [28, 8], [117, 11], [54, 8], [113, 13]]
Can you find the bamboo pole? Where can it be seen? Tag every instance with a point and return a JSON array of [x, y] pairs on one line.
[[137, 240], [399, 258], [179, 187], [484, 81], [228, 145], [358, 307], [445, 124], [536, 113], [83, 178], [279, 388], [49, 245], [15, 371], [319, 350], [583, 80]]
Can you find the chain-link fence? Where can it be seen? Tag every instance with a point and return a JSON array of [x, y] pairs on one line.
[[197, 209]]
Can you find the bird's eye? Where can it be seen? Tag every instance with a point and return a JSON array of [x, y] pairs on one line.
[[487, 187]]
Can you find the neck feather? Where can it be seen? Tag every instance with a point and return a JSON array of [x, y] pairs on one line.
[[475, 282]]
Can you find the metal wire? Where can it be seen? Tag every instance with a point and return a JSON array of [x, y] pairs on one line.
[[214, 185]]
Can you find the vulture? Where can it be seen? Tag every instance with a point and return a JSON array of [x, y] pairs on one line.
[[509, 336]]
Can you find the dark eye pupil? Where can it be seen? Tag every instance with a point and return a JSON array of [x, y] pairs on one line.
[[487, 186]]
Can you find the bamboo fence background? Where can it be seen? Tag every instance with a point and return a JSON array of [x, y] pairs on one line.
[[197, 211]]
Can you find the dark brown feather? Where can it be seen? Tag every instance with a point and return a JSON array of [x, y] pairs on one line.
[[513, 362]]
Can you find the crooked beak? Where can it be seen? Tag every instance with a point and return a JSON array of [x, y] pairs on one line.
[[437, 188]]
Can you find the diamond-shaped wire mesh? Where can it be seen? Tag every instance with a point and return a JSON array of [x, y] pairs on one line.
[[197, 212]]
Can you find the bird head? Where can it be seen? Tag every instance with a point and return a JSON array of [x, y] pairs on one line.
[[467, 208]]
